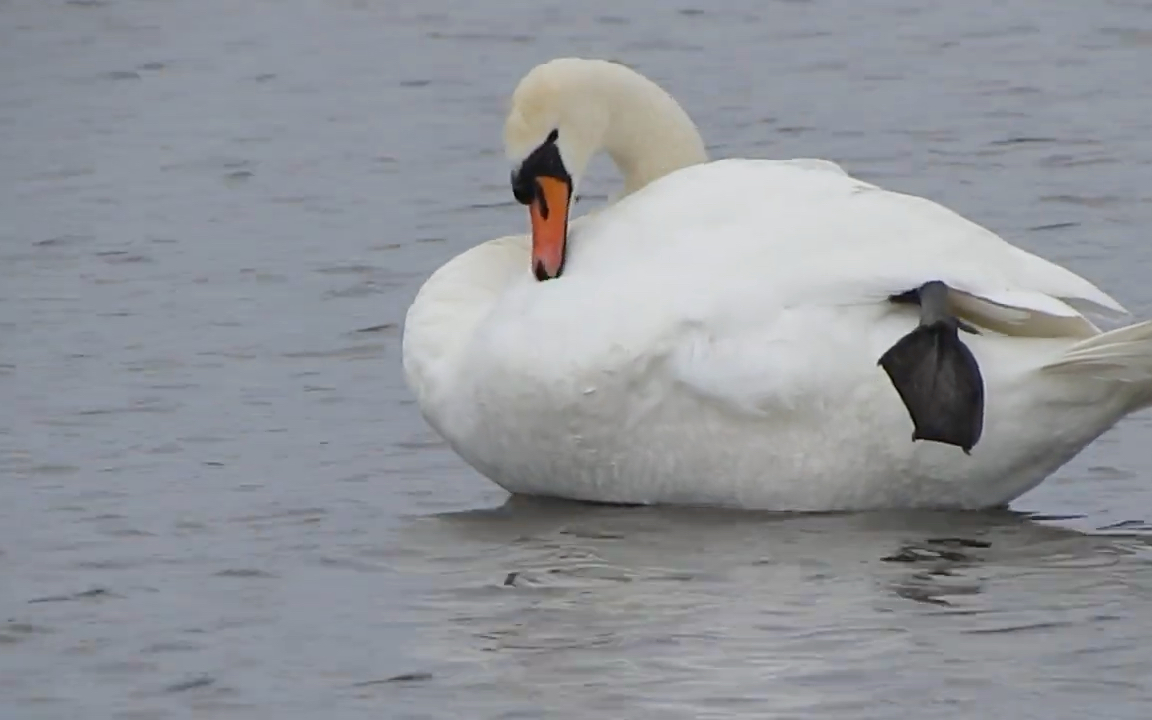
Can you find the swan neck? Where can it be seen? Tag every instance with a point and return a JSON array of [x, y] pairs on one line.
[[648, 135]]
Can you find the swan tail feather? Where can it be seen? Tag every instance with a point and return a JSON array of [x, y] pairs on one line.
[[1121, 355]]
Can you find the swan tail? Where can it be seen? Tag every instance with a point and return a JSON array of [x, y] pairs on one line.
[[1122, 355]]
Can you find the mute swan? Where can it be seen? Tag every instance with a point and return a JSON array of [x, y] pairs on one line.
[[751, 333]]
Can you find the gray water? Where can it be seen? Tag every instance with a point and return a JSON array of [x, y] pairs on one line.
[[218, 501]]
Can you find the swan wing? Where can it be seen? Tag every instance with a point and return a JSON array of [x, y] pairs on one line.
[[751, 281]]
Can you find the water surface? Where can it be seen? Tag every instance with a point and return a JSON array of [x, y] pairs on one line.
[[216, 497]]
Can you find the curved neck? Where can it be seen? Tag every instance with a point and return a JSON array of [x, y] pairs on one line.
[[648, 134]]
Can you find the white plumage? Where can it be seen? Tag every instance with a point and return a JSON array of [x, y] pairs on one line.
[[715, 335]]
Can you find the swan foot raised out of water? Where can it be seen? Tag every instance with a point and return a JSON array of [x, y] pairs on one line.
[[935, 373]]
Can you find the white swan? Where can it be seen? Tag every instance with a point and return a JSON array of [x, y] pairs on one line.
[[713, 337]]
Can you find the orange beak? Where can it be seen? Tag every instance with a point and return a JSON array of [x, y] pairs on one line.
[[549, 213]]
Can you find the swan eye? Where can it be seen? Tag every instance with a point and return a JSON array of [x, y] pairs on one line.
[[544, 161], [523, 188]]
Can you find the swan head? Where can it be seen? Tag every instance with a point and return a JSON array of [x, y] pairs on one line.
[[565, 111], [555, 125]]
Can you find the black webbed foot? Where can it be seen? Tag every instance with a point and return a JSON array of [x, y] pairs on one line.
[[936, 375]]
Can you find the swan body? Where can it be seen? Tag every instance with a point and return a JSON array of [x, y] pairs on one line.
[[713, 338]]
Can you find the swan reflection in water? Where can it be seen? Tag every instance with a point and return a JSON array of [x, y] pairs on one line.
[[535, 574], [551, 603]]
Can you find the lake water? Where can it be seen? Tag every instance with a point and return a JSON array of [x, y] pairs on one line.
[[218, 501]]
